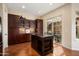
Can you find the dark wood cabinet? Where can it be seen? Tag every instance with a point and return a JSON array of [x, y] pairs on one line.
[[32, 23], [16, 29], [32, 26], [26, 24], [17, 26], [43, 45], [13, 20], [28, 36], [39, 26], [12, 28]]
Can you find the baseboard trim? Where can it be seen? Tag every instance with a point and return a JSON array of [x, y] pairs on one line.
[[70, 49]]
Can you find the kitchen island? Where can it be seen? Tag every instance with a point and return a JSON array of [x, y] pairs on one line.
[[43, 44]]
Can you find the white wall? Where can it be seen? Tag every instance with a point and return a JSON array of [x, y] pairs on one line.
[[1, 9], [65, 12], [75, 41]]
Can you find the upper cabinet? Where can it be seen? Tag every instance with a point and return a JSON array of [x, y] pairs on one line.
[[13, 20], [23, 23], [32, 26], [39, 26], [26, 24]]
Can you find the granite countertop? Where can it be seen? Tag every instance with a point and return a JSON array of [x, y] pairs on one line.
[[44, 35]]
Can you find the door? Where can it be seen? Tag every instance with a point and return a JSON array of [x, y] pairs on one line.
[[0, 37]]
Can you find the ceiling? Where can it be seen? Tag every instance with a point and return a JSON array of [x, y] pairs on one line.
[[37, 9]]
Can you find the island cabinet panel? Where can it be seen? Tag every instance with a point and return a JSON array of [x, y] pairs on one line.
[[43, 45], [16, 29]]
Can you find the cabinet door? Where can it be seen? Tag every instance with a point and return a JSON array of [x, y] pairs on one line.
[[12, 20], [32, 26], [13, 30], [11, 36], [39, 26], [21, 22], [32, 23], [27, 25], [28, 37]]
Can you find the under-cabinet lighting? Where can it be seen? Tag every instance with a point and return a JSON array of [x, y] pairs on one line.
[[27, 30]]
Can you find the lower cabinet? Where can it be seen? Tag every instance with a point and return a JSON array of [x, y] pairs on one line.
[[19, 39], [43, 45]]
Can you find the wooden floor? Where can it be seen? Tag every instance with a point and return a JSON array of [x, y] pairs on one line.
[[24, 49]]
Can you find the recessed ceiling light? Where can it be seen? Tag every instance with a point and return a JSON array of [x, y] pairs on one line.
[[50, 3], [23, 6]]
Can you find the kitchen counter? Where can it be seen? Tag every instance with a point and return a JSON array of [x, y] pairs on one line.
[[44, 35]]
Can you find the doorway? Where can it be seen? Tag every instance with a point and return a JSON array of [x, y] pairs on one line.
[[57, 28]]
